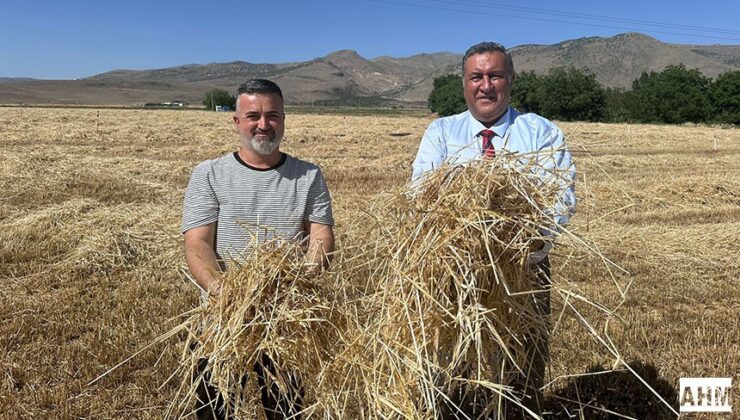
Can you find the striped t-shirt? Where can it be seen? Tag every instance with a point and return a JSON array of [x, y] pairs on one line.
[[248, 202]]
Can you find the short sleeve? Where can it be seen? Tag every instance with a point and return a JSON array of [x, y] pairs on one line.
[[200, 207], [318, 203]]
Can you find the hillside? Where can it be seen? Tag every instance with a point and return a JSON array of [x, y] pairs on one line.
[[346, 78], [619, 60]]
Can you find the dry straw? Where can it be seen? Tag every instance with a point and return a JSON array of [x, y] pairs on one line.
[[454, 298], [272, 309], [431, 306]]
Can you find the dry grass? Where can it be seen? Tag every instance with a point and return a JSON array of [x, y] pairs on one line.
[[90, 250], [449, 295]]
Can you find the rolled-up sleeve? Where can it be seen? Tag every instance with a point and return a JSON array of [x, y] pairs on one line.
[[432, 151], [555, 161]]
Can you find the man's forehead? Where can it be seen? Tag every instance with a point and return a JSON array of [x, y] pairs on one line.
[[263, 101], [486, 61]]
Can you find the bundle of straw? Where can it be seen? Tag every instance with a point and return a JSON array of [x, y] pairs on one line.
[[272, 309], [451, 295]]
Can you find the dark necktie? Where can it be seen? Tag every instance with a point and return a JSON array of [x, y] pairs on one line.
[[488, 149]]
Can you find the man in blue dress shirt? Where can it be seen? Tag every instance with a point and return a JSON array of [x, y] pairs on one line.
[[491, 126]]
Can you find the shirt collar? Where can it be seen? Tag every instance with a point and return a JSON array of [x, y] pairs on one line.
[[499, 127]]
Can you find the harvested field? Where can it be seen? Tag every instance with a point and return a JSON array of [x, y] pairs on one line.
[[90, 250]]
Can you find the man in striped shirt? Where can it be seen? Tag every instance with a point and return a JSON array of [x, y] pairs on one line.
[[256, 191]]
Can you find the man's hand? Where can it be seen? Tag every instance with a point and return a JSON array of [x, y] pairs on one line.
[[320, 245], [536, 245], [214, 289], [311, 268]]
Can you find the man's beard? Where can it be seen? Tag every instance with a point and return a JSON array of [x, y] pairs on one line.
[[261, 147]]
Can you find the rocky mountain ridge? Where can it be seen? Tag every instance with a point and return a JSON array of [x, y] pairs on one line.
[[346, 78]]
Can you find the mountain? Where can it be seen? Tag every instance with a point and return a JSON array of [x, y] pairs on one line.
[[620, 59], [340, 77], [346, 78], [14, 79], [728, 54]]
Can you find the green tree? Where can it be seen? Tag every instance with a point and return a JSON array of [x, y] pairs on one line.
[[567, 93], [725, 96], [219, 97], [616, 109], [673, 96], [642, 80], [447, 96], [524, 92]]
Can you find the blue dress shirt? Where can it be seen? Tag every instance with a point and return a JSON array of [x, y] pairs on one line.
[[456, 140]]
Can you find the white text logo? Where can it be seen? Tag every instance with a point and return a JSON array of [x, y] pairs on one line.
[[705, 394]]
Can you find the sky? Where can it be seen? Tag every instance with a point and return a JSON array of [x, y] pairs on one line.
[[75, 39]]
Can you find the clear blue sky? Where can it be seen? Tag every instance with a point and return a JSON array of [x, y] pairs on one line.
[[73, 39]]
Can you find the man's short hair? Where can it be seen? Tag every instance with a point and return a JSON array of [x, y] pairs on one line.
[[255, 86], [484, 47]]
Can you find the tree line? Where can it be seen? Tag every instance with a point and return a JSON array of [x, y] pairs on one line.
[[219, 97], [674, 95]]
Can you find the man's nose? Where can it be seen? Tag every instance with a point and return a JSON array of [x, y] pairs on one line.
[[263, 123], [486, 84]]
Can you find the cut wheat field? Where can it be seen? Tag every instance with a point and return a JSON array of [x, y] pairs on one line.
[[91, 256]]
